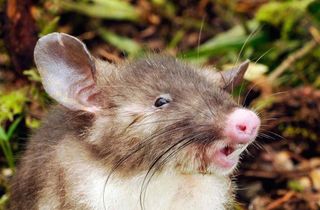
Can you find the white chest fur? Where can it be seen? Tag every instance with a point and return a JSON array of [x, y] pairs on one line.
[[169, 192], [166, 191]]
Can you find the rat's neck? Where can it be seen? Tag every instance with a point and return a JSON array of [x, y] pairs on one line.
[[167, 190], [170, 191]]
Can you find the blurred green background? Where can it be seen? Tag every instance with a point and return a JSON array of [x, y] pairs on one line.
[[281, 38]]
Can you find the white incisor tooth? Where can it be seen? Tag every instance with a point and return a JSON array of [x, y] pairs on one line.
[[239, 149]]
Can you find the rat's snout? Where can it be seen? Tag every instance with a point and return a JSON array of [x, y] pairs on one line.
[[242, 126]]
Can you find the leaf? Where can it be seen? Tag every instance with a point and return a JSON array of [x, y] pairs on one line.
[[3, 200], [50, 26], [123, 43], [255, 71], [108, 9], [233, 39], [284, 14], [3, 135], [32, 74], [279, 12], [13, 127], [166, 6], [32, 123], [178, 36], [314, 10], [12, 103], [295, 185]]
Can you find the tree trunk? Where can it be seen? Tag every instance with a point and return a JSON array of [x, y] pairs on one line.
[[20, 34]]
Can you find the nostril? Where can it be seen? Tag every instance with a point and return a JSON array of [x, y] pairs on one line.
[[242, 128]]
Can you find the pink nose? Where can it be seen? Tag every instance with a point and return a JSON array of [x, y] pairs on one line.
[[242, 126]]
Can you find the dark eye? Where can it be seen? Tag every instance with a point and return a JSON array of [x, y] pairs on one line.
[[161, 101]]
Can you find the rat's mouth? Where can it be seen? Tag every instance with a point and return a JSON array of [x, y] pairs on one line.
[[218, 158], [235, 149], [227, 156], [227, 150]]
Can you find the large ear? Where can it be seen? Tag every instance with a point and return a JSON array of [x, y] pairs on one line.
[[67, 71], [233, 77]]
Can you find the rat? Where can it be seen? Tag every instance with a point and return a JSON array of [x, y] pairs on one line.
[[154, 133]]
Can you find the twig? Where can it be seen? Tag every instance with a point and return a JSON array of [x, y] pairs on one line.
[[109, 56], [309, 46], [281, 200], [260, 174], [315, 34]]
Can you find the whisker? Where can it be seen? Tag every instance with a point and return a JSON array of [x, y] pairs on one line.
[[158, 121], [266, 136], [245, 43], [239, 55], [241, 87], [188, 106], [256, 85], [153, 169], [249, 91], [200, 34], [257, 145], [279, 136], [196, 109], [239, 97], [265, 53], [279, 93], [270, 119], [140, 146], [203, 99], [136, 149]]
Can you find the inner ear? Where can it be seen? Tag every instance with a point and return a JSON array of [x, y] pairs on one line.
[[233, 77], [67, 70]]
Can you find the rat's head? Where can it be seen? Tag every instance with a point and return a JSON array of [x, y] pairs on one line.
[[154, 112]]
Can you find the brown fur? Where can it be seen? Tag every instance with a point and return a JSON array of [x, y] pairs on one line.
[[196, 114]]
